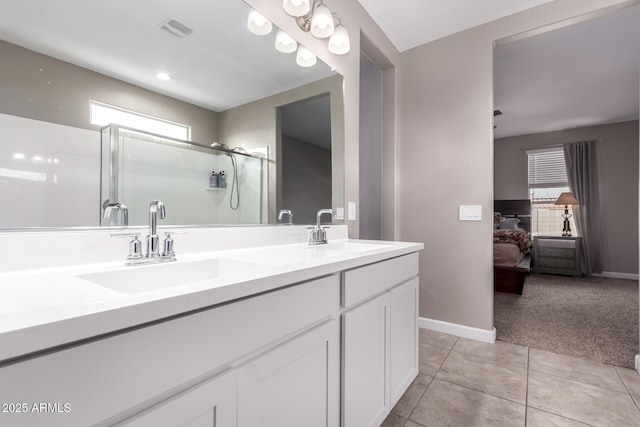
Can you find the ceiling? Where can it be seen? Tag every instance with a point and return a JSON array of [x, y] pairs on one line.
[[580, 75], [411, 23], [219, 66]]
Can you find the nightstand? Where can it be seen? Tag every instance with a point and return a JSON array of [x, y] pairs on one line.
[[556, 255]]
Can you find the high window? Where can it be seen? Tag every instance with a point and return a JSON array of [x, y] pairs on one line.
[[104, 114], [547, 179]]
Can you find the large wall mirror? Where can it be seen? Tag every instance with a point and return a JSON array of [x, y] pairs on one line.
[[247, 110]]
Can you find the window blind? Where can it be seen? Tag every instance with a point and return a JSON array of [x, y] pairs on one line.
[[547, 168]]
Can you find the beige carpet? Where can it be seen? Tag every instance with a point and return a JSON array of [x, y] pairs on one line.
[[588, 317]]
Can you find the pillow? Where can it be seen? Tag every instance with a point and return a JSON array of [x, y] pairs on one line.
[[496, 220], [509, 223]]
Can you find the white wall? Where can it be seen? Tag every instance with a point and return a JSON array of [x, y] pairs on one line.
[[446, 159], [56, 183]]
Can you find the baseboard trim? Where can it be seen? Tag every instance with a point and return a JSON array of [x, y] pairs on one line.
[[614, 275], [458, 330], [638, 363]]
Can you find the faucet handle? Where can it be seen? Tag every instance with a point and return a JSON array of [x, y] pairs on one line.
[[135, 248], [167, 251], [168, 246]]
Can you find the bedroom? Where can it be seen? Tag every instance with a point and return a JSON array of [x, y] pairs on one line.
[[584, 89]]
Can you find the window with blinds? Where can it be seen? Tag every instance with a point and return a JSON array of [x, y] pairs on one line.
[[547, 180]]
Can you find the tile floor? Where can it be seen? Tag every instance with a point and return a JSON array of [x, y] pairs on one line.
[[468, 383]]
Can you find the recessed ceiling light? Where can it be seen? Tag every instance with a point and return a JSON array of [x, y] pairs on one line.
[[163, 76]]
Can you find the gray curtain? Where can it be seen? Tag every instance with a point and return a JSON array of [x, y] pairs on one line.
[[582, 172]]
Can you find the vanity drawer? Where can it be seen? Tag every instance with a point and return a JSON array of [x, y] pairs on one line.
[[365, 282]]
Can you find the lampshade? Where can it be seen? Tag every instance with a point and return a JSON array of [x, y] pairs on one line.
[[566, 199], [304, 58], [322, 22], [339, 42], [284, 42], [258, 24], [296, 7]]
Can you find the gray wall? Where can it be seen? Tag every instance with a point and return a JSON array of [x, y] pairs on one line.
[[255, 124], [370, 150], [445, 159], [306, 179], [60, 93], [617, 151]]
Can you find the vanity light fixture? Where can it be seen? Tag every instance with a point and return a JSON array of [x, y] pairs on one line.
[[285, 43], [339, 42], [163, 76], [258, 24], [305, 58], [321, 22], [296, 7]]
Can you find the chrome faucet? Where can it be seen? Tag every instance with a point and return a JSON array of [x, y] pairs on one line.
[[119, 207], [284, 212], [318, 236], [153, 241], [136, 257]]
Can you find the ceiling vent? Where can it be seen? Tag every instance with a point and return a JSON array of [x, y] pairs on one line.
[[177, 28]]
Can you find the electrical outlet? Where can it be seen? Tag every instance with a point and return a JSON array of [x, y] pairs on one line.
[[339, 213]]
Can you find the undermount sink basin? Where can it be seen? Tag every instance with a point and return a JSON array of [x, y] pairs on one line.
[[161, 276]]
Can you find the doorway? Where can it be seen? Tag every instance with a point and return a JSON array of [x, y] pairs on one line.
[[576, 83]]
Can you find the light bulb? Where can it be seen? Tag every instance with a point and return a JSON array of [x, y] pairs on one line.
[[296, 7], [322, 22], [284, 42], [305, 58], [258, 24], [339, 42]]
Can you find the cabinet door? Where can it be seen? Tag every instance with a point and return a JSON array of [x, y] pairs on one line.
[[212, 404], [403, 338], [296, 384], [365, 340]]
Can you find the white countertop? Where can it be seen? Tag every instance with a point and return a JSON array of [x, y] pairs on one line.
[[45, 308]]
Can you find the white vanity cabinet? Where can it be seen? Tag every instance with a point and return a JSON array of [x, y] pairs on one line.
[[337, 347], [379, 338], [213, 403], [296, 383], [178, 363]]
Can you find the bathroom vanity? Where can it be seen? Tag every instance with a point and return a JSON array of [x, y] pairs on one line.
[[288, 334]]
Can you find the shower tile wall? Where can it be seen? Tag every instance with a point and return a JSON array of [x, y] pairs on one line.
[[50, 177]]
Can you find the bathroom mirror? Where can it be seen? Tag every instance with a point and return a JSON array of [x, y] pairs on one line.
[[227, 86]]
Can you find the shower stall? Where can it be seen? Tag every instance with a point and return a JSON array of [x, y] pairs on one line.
[[138, 167]]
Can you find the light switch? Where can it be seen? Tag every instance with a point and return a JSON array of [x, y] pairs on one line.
[[470, 213], [352, 211]]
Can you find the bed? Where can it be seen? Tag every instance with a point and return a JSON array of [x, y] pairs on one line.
[[511, 245]]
